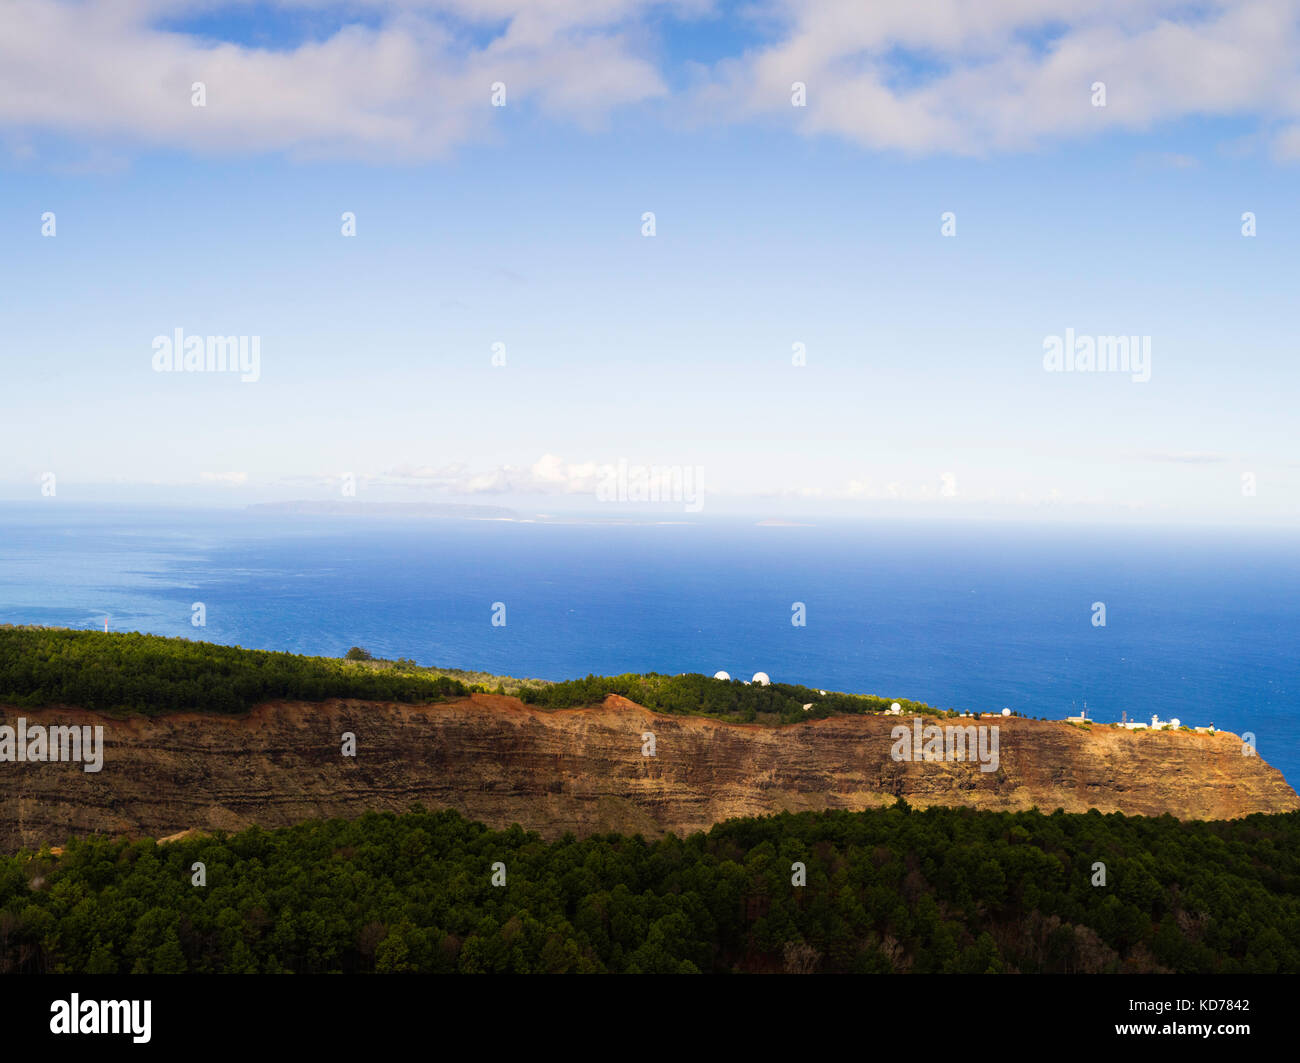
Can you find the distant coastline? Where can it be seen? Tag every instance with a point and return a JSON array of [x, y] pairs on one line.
[[412, 510]]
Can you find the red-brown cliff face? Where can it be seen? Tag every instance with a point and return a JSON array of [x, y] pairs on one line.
[[499, 761]]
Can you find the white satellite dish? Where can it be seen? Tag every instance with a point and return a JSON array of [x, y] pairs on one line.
[[721, 675], [761, 678]]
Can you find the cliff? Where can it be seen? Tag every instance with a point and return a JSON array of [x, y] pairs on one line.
[[499, 761]]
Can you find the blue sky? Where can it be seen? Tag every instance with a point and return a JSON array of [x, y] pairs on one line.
[[774, 225]]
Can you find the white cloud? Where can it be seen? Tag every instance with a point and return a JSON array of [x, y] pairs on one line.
[[1188, 457], [410, 87], [549, 475], [1007, 74], [1286, 144], [225, 479], [412, 79]]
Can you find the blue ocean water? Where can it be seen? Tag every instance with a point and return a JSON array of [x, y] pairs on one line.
[[1201, 624]]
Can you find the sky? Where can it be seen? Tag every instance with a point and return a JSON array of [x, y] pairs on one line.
[[844, 307]]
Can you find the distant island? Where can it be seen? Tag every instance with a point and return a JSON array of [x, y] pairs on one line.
[[411, 510]]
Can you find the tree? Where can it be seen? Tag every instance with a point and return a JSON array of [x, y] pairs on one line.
[[168, 958], [101, 961]]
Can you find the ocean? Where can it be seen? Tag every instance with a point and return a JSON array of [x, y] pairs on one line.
[[1201, 624]]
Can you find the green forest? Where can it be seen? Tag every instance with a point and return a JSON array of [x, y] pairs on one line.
[[153, 675], [700, 695], [149, 674], [892, 890]]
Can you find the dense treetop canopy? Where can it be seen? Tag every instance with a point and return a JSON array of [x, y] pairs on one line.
[[154, 675], [890, 890], [700, 695]]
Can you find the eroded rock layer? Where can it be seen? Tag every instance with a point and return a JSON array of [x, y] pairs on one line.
[[583, 770]]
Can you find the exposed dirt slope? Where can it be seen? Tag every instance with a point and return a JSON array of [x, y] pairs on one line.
[[582, 770]]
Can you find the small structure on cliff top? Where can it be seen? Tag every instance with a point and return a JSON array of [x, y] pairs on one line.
[[1157, 724]]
